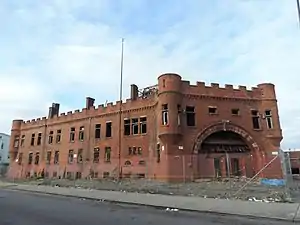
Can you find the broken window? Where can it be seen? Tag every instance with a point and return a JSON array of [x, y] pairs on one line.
[[39, 139], [255, 119], [16, 141], [179, 115], [135, 126], [30, 158], [56, 157], [143, 125], [268, 115], [37, 158], [48, 159], [22, 140], [107, 154], [108, 132], [72, 134], [235, 112], [190, 116], [81, 133], [126, 127], [58, 136], [96, 155], [212, 110], [71, 156], [20, 158], [32, 139], [80, 156], [97, 131], [165, 116], [158, 153], [50, 138]]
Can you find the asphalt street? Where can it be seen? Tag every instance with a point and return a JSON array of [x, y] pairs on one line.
[[23, 208]]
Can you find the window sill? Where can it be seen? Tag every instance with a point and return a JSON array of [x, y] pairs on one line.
[[213, 114], [260, 129]]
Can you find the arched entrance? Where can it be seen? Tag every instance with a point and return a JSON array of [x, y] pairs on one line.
[[224, 149]]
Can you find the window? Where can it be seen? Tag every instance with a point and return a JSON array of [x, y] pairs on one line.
[[50, 138], [255, 119], [105, 175], [179, 115], [22, 140], [143, 125], [48, 159], [139, 151], [96, 155], [164, 83], [142, 162], [81, 133], [190, 116], [212, 110], [30, 158], [58, 136], [135, 126], [72, 134], [71, 156], [78, 175], [127, 163], [268, 115], [108, 132], [2, 145], [165, 116], [97, 131], [32, 139], [134, 150], [126, 127], [129, 151], [39, 139], [107, 154], [56, 157], [80, 156], [16, 141], [20, 159], [235, 112], [158, 153], [37, 158]]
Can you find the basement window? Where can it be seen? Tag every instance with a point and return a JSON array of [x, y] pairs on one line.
[[72, 134], [235, 112], [135, 126], [39, 139], [108, 132], [32, 139], [190, 116], [30, 158], [268, 115], [81, 133], [212, 110], [255, 119], [126, 127], [50, 138], [58, 136], [97, 131], [165, 114], [96, 155], [143, 125]]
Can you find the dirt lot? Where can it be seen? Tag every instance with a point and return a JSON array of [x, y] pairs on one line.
[[204, 188]]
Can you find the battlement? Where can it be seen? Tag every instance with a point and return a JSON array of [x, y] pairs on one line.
[[215, 89]]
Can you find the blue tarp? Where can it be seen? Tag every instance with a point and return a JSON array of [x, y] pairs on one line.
[[273, 182]]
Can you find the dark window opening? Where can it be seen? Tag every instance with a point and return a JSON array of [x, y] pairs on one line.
[[22, 140], [235, 112], [105, 174], [158, 153], [78, 175], [255, 119], [80, 156], [129, 151], [268, 115], [212, 110], [108, 132], [296, 170], [107, 154], [141, 175], [50, 138], [32, 139], [139, 151], [16, 141], [30, 158], [190, 116], [134, 150], [143, 125], [48, 159], [20, 158], [179, 112], [97, 131], [81, 133], [126, 127], [39, 139], [72, 134], [127, 163], [142, 162], [58, 136], [71, 156], [164, 83], [165, 114], [56, 157], [96, 155], [135, 126], [37, 158]]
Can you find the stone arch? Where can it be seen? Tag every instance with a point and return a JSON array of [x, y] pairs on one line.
[[224, 126]]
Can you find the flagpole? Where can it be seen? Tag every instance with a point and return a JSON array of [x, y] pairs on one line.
[[120, 113]]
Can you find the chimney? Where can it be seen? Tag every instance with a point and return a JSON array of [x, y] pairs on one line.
[[53, 110], [89, 102], [134, 92]]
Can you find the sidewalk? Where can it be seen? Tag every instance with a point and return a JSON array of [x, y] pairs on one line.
[[283, 211]]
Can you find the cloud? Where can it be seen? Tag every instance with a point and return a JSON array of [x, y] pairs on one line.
[[66, 50]]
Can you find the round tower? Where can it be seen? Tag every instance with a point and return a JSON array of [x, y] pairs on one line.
[[15, 139]]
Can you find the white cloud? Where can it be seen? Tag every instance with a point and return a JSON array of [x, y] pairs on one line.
[[67, 50]]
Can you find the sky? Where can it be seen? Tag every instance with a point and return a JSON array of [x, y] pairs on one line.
[[65, 50]]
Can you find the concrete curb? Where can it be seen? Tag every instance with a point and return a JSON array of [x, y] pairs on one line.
[[295, 217]]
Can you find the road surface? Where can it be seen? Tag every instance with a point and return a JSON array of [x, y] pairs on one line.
[[23, 208]]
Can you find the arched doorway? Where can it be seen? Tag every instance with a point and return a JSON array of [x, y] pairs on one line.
[[224, 149]]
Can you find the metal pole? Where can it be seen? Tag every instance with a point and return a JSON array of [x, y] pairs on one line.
[[298, 9], [228, 170], [120, 112]]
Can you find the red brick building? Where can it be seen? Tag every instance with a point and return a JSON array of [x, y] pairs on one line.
[[172, 131]]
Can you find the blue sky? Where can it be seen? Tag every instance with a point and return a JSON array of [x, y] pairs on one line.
[[66, 50]]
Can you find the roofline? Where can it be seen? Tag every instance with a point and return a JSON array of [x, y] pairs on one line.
[[4, 134]]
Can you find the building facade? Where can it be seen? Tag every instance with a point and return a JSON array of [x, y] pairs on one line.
[[172, 131], [4, 153]]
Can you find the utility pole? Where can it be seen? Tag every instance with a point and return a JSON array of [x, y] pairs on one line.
[[120, 113]]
